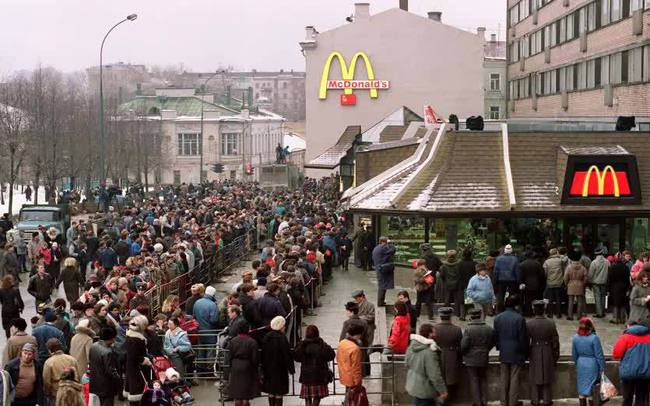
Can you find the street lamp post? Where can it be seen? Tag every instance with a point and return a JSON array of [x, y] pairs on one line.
[[204, 88], [102, 151]]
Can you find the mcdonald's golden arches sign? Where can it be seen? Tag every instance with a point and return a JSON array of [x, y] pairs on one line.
[[348, 83]]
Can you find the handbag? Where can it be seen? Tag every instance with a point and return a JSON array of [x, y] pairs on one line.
[[187, 357], [358, 396]]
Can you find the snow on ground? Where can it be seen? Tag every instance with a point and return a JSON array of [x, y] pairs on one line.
[[19, 199]]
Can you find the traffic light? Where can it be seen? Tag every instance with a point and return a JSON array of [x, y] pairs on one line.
[[217, 168]]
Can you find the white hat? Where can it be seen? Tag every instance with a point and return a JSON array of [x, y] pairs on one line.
[[278, 323], [508, 249], [158, 247], [171, 372], [83, 323], [210, 291]]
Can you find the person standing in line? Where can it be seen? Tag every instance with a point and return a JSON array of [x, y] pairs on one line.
[[54, 367], [81, 343], [597, 276], [348, 359], [618, 282], [448, 338], [11, 302], [400, 330], [512, 342], [135, 348], [105, 379], [382, 258], [352, 310], [587, 353], [466, 271], [244, 362], [532, 280], [544, 353], [424, 280], [506, 275], [345, 247], [575, 279], [366, 313], [314, 355], [554, 272], [27, 375], [450, 275], [633, 350], [480, 290], [277, 362], [478, 339], [433, 265], [424, 381], [640, 296]]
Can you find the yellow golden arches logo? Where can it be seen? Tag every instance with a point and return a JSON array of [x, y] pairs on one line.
[[601, 180], [348, 83]]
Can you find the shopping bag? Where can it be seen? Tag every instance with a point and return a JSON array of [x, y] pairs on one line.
[[358, 396], [607, 389]]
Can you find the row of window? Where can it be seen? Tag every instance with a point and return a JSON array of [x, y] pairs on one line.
[[630, 66], [586, 19], [524, 8], [189, 144]]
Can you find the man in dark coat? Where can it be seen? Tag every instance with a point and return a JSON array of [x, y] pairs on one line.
[[544, 353], [40, 286], [366, 313], [512, 342], [26, 395], [105, 380], [448, 338], [382, 258], [244, 362], [478, 339], [534, 280], [270, 305]]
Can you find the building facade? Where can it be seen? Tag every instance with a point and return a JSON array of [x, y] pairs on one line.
[[579, 58], [241, 141], [366, 69], [494, 78]]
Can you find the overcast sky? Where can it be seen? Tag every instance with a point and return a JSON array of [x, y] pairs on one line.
[[203, 35]]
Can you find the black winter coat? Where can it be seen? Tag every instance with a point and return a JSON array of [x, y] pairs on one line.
[[136, 349], [544, 350], [38, 396], [104, 378], [277, 363], [511, 337], [314, 356], [270, 307], [12, 303], [448, 338], [619, 284], [466, 269], [532, 275], [251, 310], [244, 361], [478, 340]]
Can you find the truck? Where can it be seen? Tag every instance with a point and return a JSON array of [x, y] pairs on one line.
[[47, 215]]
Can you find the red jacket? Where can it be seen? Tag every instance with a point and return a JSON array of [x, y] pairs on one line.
[[399, 334]]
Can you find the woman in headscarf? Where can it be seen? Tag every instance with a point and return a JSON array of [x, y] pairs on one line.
[[277, 362], [589, 360], [136, 350]]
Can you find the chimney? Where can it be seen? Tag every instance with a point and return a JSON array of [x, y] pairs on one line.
[[435, 16], [310, 33], [480, 32], [493, 38], [361, 11], [404, 5]]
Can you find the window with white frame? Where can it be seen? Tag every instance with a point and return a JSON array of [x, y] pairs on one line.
[[617, 10], [646, 63], [605, 12], [635, 65], [189, 144], [495, 81], [495, 112], [230, 143], [615, 65], [636, 5], [604, 70]]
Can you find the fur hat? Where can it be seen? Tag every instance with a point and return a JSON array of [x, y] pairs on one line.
[[138, 323], [158, 247], [171, 373], [83, 323], [278, 323], [210, 291]]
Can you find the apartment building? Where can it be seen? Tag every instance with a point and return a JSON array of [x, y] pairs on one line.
[[579, 59]]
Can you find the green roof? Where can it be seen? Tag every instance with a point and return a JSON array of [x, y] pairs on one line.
[[184, 106]]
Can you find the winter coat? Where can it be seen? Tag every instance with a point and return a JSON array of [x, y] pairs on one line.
[[356, 320], [367, 313], [250, 310], [588, 358], [243, 368], [399, 334], [638, 306], [206, 313], [37, 396], [70, 394], [633, 349], [575, 279], [554, 271], [598, 270], [466, 270], [12, 303], [382, 256], [480, 289], [104, 377], [418, 279], [511, 337], [448, 338], [450, 275], [43, 333], [277, 363], [636, 268], [531, 274], [135, 347], [53, 369], [189, 304], [478, 339], [72, 280], [40, 286], [619, 284], [348, 358], [80, 347], [270, 307], [177, 339], [433, 262], [423, 377], [506, 268], [314, 356], [14, 346], [544, 350]]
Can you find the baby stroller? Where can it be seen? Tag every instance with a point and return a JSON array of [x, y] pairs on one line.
[[163, 372], [222, 364], [159, 365]]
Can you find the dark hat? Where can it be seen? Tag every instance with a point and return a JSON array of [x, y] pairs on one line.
[[475, 313], [445, 311], [574, 255], [140, 286], [50, 316], [600, 251], [107, 333], [357, 293]]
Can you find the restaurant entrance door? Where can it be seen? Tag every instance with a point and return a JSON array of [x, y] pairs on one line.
[[587, 234]]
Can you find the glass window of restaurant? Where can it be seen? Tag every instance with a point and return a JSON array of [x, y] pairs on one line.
[[406, 232], [637, 235]]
